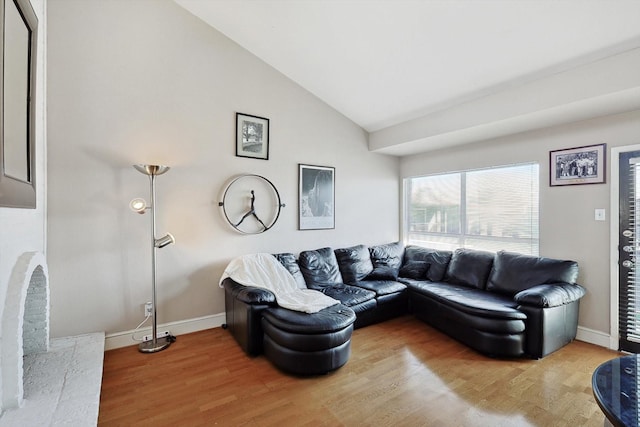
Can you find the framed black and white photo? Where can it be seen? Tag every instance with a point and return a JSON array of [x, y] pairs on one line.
[[252, 136], [579, 165], [316, 197]]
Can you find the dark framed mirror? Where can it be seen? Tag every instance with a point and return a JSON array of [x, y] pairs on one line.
[[19, 34]]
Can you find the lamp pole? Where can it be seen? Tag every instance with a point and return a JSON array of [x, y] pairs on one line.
[[155, 344]]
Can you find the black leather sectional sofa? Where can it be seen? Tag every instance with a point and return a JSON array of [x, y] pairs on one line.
[[503, 304]]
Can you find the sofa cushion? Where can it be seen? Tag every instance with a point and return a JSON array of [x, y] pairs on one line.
[[319, 267], [476, 302], [383, 273], [414, 270], [382, 287], [348, 295], [289, 262], [438, 260], [387, 255], [470, 267], [513, 272], [354, 263], [330, 319]]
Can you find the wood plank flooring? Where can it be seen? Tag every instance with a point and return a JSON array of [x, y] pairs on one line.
[[401, 373]]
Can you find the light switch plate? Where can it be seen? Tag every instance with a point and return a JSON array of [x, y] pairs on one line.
[[600, 215]]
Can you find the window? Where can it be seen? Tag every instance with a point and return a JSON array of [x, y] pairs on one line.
[[488, 209]]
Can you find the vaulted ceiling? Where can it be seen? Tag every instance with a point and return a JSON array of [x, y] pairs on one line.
[[393, 66]]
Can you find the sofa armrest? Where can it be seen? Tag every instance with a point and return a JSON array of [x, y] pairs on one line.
[[249, 294], [550, 295]]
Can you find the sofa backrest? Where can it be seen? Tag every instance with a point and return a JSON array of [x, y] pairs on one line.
[[354, 263], [320, 267], [513, 272], [470, 267], [388, 255], [438, 260], [289, 262], [386, 260]]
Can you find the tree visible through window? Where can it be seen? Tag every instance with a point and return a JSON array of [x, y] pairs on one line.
[[488, 209]]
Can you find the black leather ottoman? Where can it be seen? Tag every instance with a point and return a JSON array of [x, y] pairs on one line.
[[308, 344]]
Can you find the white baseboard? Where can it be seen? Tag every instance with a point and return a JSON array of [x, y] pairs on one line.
[[124, 339], [594, 337]]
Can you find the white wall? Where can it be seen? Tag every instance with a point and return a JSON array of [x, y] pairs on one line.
[[567, 226], [604, 87], [145, 82]]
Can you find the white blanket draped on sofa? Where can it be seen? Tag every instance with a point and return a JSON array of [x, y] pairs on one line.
[[265, 271]]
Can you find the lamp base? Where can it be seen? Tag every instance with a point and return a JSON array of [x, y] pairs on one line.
[[151, 347]]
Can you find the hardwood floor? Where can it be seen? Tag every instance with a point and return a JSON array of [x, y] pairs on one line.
[[401, 373]]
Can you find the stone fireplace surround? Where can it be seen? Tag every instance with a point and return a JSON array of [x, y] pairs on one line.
[[43, 381]]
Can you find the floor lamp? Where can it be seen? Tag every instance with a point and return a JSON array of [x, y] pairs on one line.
[[140, 206]]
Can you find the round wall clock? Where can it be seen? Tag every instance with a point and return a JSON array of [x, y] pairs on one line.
[[251, 204]]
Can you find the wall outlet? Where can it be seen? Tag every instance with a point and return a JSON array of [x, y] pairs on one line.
[[159, 335], [148, 309]]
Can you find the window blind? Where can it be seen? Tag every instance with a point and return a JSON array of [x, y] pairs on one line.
[[489, 209]]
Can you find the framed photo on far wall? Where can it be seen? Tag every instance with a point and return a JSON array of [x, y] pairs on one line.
[[316, 197], [252, 136], [580, 165]]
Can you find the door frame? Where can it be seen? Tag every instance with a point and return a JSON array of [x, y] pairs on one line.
[[614, 335]]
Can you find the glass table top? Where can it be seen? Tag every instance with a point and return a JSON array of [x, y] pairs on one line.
[[615, 386]]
